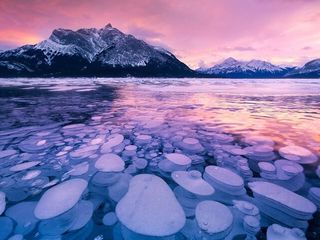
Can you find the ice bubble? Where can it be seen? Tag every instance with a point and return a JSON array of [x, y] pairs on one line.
[[112, 141], [155, 211], [282, 199], [314, 196], [192, 181], [6, 227], [84, 152], [287, 169], [191, 145], [110, 219], [2, 202], [79, 169], [16, 237], [84, 211], [22, 214], [97, 141], [105, 179], [299, 154], [258, 140], [224, 179], [7, 153], [214, 219], [60, 198], [34, 145], [59, 224], [143, 139], [276, 232], [119, 188], [175, 161], [31, 174], [110, 163]]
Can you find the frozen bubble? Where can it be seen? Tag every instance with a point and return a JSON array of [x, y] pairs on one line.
[[192, 181], [258, 140], [156, 211], [119, 188], [282, 197], [105, 179], [143, 138], [22, 214], [140, 163], [178, 159], [287, 169], [214, 219], [6, 227], [84, 211], [2, 202], [267, 167], [59, 224], [299, 154], [190, 141], [224, 179], [31, 174], [60, 198], [174, 162], [110, 163], [34, 145], [16, 237], [7, 153], [246, 208], [314, 196], [276, 232], [112, 141], [110, 219], [79, 169]]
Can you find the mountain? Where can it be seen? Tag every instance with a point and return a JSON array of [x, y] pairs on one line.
[[309, 70], [91, 52], [232, 68]]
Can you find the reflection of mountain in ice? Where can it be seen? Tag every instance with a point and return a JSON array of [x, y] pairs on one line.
[[150, 159]]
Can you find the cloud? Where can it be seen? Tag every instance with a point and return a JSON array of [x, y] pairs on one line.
[[307, 48], [239, 49], [193, 30]]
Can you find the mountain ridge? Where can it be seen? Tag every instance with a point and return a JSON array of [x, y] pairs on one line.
[[108, 52], [91, 52]]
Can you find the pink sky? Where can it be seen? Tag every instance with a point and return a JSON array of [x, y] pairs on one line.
[[201, 32]]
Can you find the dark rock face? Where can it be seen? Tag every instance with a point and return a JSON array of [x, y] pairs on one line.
[[105, 52]]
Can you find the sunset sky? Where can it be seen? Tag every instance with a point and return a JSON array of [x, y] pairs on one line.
[[200, 33]]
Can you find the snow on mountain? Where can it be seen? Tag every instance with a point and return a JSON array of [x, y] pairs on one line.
[[254, 68], [309, 70], [106, 51]]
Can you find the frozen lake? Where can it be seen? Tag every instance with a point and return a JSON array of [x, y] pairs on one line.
[[75, 154]]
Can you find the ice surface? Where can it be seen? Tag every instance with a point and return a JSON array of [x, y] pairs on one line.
[[52, 131], [60, 198], [150, 207]]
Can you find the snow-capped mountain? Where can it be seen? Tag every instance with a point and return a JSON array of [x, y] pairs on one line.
[[232, 68], [309, 70], [91, 52]]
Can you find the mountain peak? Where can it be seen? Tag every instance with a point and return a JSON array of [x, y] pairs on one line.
[[230, 60], [108, 26]]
